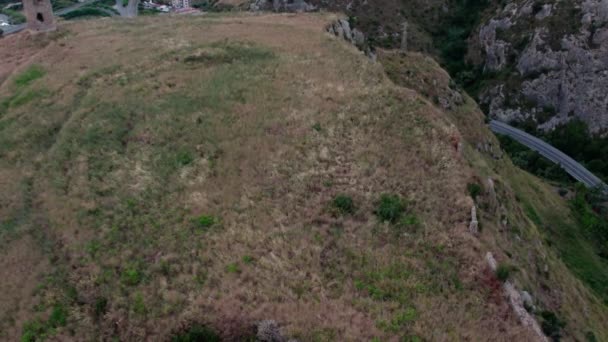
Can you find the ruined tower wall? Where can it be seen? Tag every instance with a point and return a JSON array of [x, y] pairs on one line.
[[39, 15]]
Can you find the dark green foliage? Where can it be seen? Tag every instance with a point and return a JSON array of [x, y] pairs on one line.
[[38, 330], [101, 304], [197, 333], [574, 140], [532, 214], [184, 158], [205, 221], [410, 221], [59, 4], [503, 272], [233, 268], [532, 161], [590, 337], [33, 331], [58, 317], [451, 38], [85, 12], [344, 204], [593, 218], [247, 259], [131, 276], [474, 190], [15, 17], [139, 305], [552, 325], [390, 208]]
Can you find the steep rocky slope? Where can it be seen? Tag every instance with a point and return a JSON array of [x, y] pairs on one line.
[[224, 173], [545, 61]]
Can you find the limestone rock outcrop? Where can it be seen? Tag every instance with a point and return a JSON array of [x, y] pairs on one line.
[[553, 59]]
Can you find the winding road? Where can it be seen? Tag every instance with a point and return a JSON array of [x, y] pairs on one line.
[[571, 166]]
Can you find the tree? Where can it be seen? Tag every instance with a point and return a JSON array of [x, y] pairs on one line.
[[127, 8]]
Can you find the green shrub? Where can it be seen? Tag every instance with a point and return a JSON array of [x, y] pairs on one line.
[[85, 12], [503, 272], [248, 259], [101, 304], [590, 336], [390, 208], [344, 204], [15, 17], [37, 330], [33, 331], [197, 333], [410, 220], [474, 190], [58, 317], [552, 325], [139, 306], [205, 221], [233, 268], [131, 276], [184, 158]]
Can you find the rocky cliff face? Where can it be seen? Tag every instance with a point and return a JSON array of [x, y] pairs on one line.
[[546, 62]]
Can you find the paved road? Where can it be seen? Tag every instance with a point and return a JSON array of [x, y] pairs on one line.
[[576, 170], [16, 28]]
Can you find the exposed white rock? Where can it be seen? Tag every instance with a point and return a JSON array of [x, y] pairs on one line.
[[496, 50], [544, 12], [474, 225], [517, 303]]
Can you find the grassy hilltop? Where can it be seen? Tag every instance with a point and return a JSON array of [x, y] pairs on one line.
[[161, 175]]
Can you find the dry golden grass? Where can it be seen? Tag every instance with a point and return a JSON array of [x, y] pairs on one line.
[[183, 170]]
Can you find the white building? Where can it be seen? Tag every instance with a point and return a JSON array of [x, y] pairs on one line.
[[181, 4]]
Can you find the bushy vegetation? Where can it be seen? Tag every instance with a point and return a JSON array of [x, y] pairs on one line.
[[38, 329], [197, 333], [59, 4], [474, 190], [552, 325], [205, 221], [14, 17], [85, 12], [131, 276], [451, 38], [592, 215], [390, 208], [344, 204], [532, 161], [572, 138], [248, 259], [503, 272]]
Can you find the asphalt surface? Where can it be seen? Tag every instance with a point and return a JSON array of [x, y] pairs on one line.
[[16, 28], [571, 166]]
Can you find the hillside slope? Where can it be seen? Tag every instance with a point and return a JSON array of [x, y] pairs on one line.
[[164, 173]]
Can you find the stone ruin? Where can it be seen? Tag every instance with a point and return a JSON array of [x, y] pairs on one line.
[[39, 15]]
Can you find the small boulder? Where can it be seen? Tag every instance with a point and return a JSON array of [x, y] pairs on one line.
[[528, 300], [268, 331]]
